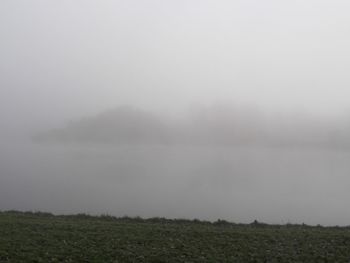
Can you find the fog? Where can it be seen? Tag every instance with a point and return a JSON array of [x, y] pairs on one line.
[[235, 110]]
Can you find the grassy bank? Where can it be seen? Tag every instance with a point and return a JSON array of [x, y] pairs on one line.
[[42, 237]]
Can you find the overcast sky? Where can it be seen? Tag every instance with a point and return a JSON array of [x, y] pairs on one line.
[[63, 59]]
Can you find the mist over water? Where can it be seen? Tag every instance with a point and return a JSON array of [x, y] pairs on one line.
[[237, 182], [236, 110]]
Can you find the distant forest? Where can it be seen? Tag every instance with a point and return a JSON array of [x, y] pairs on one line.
[[209, 126]]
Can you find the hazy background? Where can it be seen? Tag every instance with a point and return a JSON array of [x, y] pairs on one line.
[[210, 109]]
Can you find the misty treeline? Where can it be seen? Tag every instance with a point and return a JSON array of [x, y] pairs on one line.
[[216, 125]]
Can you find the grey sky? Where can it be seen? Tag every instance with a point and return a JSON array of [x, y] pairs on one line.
[[70, 58]]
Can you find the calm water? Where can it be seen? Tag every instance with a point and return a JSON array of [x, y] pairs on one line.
[[238, 184]]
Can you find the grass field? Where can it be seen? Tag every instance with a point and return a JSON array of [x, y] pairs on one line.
[[42, 237]]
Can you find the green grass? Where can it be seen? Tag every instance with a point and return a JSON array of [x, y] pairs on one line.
[[41, 237]]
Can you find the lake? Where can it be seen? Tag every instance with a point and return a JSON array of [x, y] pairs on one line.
[[240, 184]]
